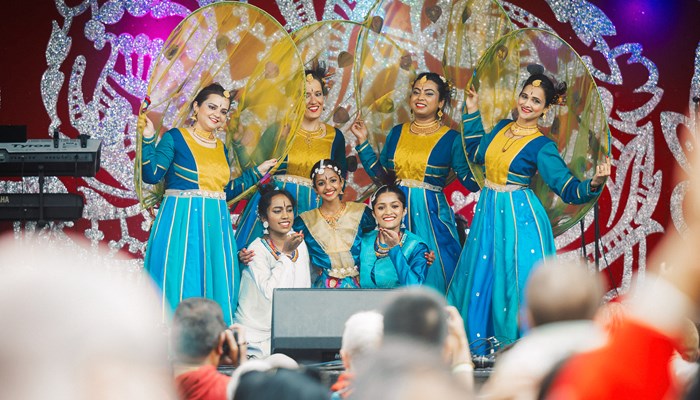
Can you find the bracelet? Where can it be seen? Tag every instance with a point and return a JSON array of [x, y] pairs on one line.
[[463, 367]]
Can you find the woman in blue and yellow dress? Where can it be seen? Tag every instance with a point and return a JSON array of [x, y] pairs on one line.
[[333, 231], [391, 256], [422, 153], [510, 232], [314, 141], [191, 251]]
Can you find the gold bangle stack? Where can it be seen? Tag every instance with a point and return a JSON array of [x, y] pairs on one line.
[[425, 129]]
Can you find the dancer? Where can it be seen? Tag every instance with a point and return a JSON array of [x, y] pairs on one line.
[[510, 231], [333, 231], [314, 141], [422, 153], [191, 250], [281, 261], [391, 256]]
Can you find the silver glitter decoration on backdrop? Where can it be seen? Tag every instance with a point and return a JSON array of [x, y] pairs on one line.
[[682, 152], [107, 114]]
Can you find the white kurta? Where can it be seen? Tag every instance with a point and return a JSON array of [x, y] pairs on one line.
[[259, 279]]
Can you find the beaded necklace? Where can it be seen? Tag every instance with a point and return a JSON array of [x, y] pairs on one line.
[[267, 242]]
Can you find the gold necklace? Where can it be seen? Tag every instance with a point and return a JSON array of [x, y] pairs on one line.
[[425, 129], [205, 136], [332, 220], [309, 136], [519, 130]]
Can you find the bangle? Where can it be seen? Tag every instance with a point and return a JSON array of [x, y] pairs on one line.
[[463, 367]]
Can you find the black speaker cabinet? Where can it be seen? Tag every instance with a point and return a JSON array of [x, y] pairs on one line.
[[308, 324]]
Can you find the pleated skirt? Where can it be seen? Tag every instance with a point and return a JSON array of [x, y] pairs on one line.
[[191, 252], [509, 236], [432, 220]]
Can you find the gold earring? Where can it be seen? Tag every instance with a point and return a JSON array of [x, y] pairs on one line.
[[544, 114], [193, 118], [440, 114]]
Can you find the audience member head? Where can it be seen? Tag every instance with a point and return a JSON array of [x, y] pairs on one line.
[[279, 384], [362, 336], [416, 313], [562, 290], [690, 341], [611, 315], [77, 327], [406, 370], [197, 330]]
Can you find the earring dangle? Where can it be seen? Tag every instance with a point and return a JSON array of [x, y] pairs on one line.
[[265, 226], [193, 118], [440, 114], [403, 225]]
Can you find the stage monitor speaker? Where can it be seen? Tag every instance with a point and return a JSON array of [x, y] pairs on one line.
[[308, 324]]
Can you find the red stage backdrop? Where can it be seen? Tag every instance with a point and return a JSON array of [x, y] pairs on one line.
[[82, 66]]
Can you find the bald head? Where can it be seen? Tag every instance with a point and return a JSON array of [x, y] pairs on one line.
[[563, 290]]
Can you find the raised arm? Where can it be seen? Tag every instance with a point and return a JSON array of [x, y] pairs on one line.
[[557, 176], [156, 159]]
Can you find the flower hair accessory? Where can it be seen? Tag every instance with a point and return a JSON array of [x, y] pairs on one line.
[[227, 94], [321, 169], [309, 77]]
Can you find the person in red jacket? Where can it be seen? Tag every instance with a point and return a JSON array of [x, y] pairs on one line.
[[199, 340]]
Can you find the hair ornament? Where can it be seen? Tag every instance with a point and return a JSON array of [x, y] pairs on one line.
[[423, 79], [309, 77], [227, 94], [322, 168], [536, 83]]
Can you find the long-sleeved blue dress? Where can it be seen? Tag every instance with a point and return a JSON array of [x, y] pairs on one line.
[[293, 175], [422, 164], [191, 251], [404, 265], [334, 249], [510, 232]]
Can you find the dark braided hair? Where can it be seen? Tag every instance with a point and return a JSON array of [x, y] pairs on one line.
[[553, 91]]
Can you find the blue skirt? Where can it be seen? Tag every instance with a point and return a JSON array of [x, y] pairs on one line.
[[191, 252], [249, 225], [510, 234], [433, 221]]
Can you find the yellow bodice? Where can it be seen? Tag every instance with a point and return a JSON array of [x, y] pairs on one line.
[[305, 152], [501, 153], [413, 152], [213, 172]]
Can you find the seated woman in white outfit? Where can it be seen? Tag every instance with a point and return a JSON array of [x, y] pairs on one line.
[[280, 260]]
